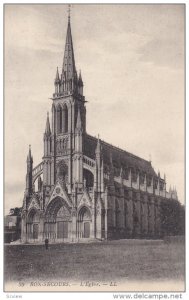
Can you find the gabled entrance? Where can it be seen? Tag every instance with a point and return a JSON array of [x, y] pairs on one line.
[[32, 228], [57, 220]]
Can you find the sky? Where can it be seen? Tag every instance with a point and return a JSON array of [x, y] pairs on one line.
[[132, 62]]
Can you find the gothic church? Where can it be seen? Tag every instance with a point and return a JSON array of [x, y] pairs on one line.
[[87, 188]]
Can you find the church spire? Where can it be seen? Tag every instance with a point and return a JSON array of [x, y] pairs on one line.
[[68, 68], [29, 172]]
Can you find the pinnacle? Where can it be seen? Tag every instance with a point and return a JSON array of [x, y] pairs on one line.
[[48, 129], [57, 79], [29, 157], [98, 147]]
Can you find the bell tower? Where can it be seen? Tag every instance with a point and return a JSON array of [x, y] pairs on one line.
[[68, 104]]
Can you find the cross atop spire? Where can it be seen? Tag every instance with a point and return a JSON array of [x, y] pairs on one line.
[[69, 11]]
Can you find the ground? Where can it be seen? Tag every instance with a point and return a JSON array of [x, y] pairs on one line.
[[100, 261]]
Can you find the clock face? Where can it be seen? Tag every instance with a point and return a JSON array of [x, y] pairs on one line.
[[58, 190]]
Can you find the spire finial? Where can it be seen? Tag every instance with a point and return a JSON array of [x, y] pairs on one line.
[[69, 11]]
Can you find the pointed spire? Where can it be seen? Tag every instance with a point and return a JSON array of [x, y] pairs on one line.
[[80, 81], [47, 128], [68, 68], [29, 172], [57, 79], [29, 157]]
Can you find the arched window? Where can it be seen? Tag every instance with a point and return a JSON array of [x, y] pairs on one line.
[[65, 119], [88, 178], [59, 119]]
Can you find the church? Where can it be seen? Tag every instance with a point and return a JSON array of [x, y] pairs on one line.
[[85, 188]]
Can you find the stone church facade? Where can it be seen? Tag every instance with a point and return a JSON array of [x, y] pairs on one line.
[[87, 188]]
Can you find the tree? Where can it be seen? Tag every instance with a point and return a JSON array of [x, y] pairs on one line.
[[16, 211]]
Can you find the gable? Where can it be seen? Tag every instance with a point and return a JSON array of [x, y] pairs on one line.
[[59, 191], [85, 199]]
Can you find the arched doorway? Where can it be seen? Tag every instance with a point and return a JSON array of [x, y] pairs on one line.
[[84, 222], [57, 220], [33, 225]]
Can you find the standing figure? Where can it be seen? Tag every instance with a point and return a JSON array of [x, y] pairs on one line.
[[46, 244]]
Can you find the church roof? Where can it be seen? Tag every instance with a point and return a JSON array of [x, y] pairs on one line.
[[120, 158]]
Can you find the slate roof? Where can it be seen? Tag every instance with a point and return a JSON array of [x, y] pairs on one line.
[[120, 158]]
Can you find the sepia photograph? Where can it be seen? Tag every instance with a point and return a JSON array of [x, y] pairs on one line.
[[94, 147]]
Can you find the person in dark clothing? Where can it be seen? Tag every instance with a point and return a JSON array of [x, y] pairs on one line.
[[46, 244]]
